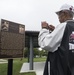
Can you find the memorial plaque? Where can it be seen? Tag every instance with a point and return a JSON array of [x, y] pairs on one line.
[[12, 39]]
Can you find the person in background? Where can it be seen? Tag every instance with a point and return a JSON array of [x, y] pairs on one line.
[[59, 42]]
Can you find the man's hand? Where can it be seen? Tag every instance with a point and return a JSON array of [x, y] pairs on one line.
[[51, 27], [44, 25]]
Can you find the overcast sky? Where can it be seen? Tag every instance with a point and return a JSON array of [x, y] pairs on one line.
[[32, 12]]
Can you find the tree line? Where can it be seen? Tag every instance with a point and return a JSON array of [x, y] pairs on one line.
[[36, 52]]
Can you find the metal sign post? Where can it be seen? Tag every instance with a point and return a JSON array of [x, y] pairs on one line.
[[10, 67]]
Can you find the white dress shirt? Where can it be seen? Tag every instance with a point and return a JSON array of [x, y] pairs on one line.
[[51, 41]]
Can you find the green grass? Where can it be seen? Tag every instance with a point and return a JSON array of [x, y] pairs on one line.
[[17, 64], [3, 69]]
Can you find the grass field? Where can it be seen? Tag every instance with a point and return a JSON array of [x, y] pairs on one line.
[[17, 64]]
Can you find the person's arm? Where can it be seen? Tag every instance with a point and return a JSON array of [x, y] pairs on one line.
[[51, 41]]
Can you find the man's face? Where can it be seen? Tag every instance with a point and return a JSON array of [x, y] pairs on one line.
[[62, 16]]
